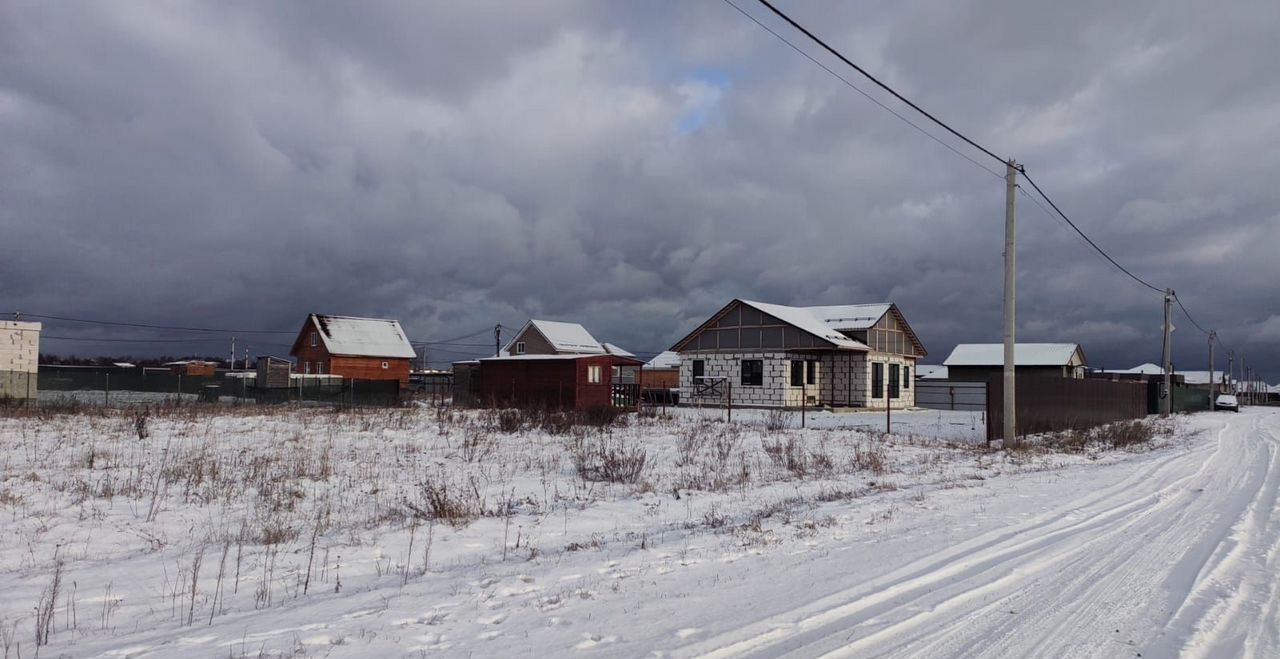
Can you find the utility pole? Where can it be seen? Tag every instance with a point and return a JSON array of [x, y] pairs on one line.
[[1229, 377], [1010, 269], [233, 353], [497, 340], [1167, 407], [1213, 381]]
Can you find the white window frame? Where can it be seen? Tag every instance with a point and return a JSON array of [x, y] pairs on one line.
[[315, 339], [595, 374], [384, 365], [519, 347]]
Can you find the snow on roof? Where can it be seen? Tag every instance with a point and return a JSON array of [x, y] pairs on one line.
[[931, 372], [1025, 354], [1143, 369], [665, 359], [616, 351], [1199, 377], [363, 337], [124, 365], [507, 358], [566, 337], [805, 319], [850, 317]]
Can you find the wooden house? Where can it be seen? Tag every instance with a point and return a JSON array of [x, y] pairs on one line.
[[354, 348], [770, 355], [555, 364]]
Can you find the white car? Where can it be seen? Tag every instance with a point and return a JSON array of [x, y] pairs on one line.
[[1227, 402]]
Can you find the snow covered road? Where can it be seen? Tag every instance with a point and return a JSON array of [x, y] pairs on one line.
[[1170, 555]]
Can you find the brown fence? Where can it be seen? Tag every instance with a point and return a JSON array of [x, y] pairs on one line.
[[1047, 404]]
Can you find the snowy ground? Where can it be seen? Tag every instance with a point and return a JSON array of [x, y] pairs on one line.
[[286, 532]]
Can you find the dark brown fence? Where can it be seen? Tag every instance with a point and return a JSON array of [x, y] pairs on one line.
[[1047, 404]]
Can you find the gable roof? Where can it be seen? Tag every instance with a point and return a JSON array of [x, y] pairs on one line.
[[664, 359], [563, 337], [850, 317], [616, 351], [804, 319], [359, 337], [1025, 354], [824, 322]]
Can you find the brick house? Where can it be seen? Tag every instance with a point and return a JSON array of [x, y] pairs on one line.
[[770, 355], [354, 348]]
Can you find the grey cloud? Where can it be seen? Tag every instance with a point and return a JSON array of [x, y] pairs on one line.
[[634, 165]]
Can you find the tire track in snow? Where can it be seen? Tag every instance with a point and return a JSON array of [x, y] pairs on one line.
[[1058, 575]]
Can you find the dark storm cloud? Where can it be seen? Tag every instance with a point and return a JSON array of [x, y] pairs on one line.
[[633, 166]]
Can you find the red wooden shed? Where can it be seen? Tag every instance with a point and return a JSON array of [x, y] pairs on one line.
[[547, 381]]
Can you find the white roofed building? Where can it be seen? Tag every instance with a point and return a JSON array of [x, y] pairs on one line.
[[979, 362], [772, 355]]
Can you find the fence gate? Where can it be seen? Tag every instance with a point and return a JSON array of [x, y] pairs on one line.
[[948, 395]]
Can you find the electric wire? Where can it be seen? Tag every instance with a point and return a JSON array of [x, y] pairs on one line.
[[150, 326], [877, 81], [858, 89], [1085, 236]]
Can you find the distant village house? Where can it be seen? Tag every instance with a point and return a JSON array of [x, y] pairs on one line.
[[354, 348]]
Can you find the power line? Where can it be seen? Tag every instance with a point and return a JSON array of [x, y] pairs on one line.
[[149, 326], [877, 81], [1086, 237], [1188, 314], [858, 89]]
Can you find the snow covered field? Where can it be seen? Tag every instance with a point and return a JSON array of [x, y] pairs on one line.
[[287, 532]]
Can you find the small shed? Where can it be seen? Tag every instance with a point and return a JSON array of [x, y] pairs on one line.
[[273, 372], [547, 381]]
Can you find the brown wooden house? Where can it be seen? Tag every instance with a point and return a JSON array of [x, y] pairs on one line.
[[551, 364], [354, 348]]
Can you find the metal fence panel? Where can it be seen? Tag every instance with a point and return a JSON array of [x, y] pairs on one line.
[[1047, 404], [948, 395]]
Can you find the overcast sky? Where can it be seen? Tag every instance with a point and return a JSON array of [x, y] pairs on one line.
[[634, 166]]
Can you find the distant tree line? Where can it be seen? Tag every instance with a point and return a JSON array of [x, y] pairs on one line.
[[72, 360]]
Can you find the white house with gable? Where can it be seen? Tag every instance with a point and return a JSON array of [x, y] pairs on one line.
[[771, 355]]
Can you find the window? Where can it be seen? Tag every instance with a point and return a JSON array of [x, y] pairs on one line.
[[320, 368], [593, 374], [895, 372], [315, 338], [617, 372], [384, 365], [519, 347], [797, 373], [812, 376], [699, 367], [306, 368], [906, 377], [752, 372], [877, 380]]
